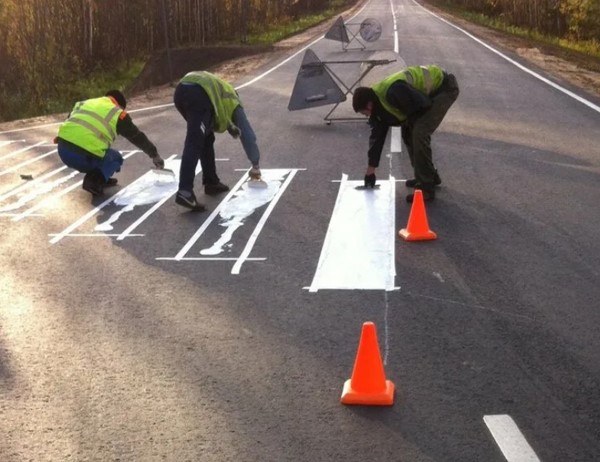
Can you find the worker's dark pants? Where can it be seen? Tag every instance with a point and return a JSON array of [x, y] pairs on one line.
[[193, 104], [417, 135], [108, 165]]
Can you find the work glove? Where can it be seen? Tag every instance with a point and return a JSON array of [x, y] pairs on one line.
[[158, 162], [234, 131], [254, 173], [370, 181]]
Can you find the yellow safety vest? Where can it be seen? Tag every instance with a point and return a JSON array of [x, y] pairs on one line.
[[92, 125], [426, 79], [222, 95]]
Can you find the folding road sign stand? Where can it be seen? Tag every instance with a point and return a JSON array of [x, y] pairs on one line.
[[368, 65], [317, 84], [369, 30]]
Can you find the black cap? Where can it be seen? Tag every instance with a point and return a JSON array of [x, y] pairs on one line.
[[118, 96]]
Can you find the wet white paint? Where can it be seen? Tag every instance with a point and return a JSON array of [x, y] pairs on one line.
[[148, 189], [358, 252], [242, 204]]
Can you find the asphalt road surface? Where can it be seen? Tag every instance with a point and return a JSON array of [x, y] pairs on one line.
[[132, 330]]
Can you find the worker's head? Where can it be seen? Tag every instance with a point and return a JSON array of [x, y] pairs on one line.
[[118, 97], [363, 100]]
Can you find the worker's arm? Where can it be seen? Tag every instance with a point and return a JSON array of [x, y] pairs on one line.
[[127, 129], [379, 132]]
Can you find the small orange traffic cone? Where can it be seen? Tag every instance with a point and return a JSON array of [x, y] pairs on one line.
[[417, 228], [368, 384]]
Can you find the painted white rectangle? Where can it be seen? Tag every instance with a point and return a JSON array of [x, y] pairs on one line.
[[396, 142], [358, 252], [509, 438]]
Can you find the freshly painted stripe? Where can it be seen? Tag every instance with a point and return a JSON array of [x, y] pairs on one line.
[[22, 150], [263, 219], [96, 235], [509, 438], [27, 162], [189, 244], [47, 200], [358, 251], [396, 140], [209, 259]]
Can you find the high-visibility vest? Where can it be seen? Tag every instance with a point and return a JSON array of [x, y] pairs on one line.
[[222, 95], [426, 79], [92, 125]]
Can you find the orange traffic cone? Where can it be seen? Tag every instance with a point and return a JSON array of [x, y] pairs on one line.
[[368, 384], [417, 228]]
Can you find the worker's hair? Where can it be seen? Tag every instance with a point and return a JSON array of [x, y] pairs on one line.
[[362, 95], [118, 96]]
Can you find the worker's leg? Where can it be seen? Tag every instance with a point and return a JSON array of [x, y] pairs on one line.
[[407, 138], [247, 137], [424, 127], [193, 104], [111, 163], [207, 160]]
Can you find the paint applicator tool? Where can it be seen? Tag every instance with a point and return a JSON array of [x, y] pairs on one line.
[[255, 181], [366, 188], [164, 175]]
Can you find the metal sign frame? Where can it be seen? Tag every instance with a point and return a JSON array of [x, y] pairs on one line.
[[369, 64]]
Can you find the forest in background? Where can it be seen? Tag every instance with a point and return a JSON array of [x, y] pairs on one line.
[[577, 20], [50, 49], [48, 46]]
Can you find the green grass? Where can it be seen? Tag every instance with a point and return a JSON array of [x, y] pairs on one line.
[[588, 47], [281, 31]]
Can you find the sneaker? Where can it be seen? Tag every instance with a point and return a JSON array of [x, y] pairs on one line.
[[428, 196], [111, 182], [189, 202], [414, 183], [214, 189], [93, 182]]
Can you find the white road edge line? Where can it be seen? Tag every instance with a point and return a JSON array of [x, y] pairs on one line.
[[509, 438], [515, 63]]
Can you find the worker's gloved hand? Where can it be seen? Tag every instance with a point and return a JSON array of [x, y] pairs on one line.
[[370, 181], [158, 162], [234, 131], [254, 173]]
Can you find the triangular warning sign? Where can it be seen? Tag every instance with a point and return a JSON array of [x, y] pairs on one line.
[[314, 85], [338, 31]]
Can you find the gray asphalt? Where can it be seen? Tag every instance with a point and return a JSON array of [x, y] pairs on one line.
[[107, 353]]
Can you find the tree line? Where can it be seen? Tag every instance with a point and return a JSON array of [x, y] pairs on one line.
[[47, 45], [574, 19]]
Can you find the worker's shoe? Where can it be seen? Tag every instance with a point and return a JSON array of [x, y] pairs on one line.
[[214, 189], [188, 200], [93, 182], [428, 195], [415, 184], [111, 182]]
